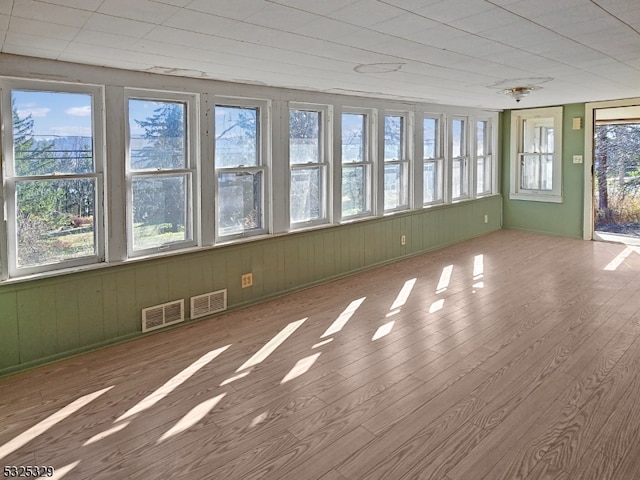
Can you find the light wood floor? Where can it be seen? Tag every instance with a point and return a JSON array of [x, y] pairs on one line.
[[523, 365]]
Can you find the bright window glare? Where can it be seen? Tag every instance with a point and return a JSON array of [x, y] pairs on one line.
[[274, 343], [301, 367], [402, 297], [172, 384], [38, 429], [344, 317], [383, 331], [445, 279], [194, 416]]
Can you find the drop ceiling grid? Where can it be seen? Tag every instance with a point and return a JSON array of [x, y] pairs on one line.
[[52, 13], [141, 10], [118, 25], [316, 45]]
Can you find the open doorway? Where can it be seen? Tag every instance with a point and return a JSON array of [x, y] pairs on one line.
[[616, 174]]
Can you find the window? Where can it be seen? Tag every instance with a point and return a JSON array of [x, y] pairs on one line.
[[308, 166], [536, 169], [160, 171], [357, 172], [53, 176], [484, 161], [240, 166], [459, 159], [433, 163], [396, 163]]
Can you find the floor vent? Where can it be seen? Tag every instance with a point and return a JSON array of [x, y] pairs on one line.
[[208, 303], [162, 315]]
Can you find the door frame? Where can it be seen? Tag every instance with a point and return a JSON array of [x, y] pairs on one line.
[[589, 131]]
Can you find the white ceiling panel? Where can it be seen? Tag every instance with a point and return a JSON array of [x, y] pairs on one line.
[[90, 37], [90, 5], [49, 12], [280, 17], [18, 41], [321, 7], [447, 51], [142, 10], [375, 13], [117, 25], [447, 12], [28, 26], [237, 9]]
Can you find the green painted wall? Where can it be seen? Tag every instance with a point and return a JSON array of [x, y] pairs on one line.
[[564, 218], [53, 318]]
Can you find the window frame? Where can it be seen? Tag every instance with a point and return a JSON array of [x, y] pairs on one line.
[[264, 164], [405, 162], [438, 160], [464, 159], [488, 157], [190, 170], [324, 163], [10, 179], [518, 117], [369, 162]]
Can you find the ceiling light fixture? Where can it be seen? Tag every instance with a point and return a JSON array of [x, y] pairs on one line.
[[518, 93]]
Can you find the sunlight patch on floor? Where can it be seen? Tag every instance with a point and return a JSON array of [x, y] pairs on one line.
[[301, 367], [383, 331], [620, 258], [153, 398], [38, 429], [271, 345], [403, 295], [61, 472], [437, 305], [196, 414], [235, 377], [445, 279], [478, 267], [259, 419], [343, 318], [105, 434], [324, 342]]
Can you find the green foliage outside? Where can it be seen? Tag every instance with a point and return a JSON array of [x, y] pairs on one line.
[[617, 178], [48, 209]]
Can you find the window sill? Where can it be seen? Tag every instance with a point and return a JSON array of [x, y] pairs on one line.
[[536, 197]]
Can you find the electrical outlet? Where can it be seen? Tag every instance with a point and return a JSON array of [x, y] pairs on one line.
[[403, 240], [486, 218], [247, 280]]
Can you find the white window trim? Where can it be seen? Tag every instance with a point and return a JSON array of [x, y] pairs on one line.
[[326, 141], [488, 156], [9, 232], [517, 119], [406, 161], [264, 139], [190, 170], [439, 159], [465, 158], [370, 162]]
